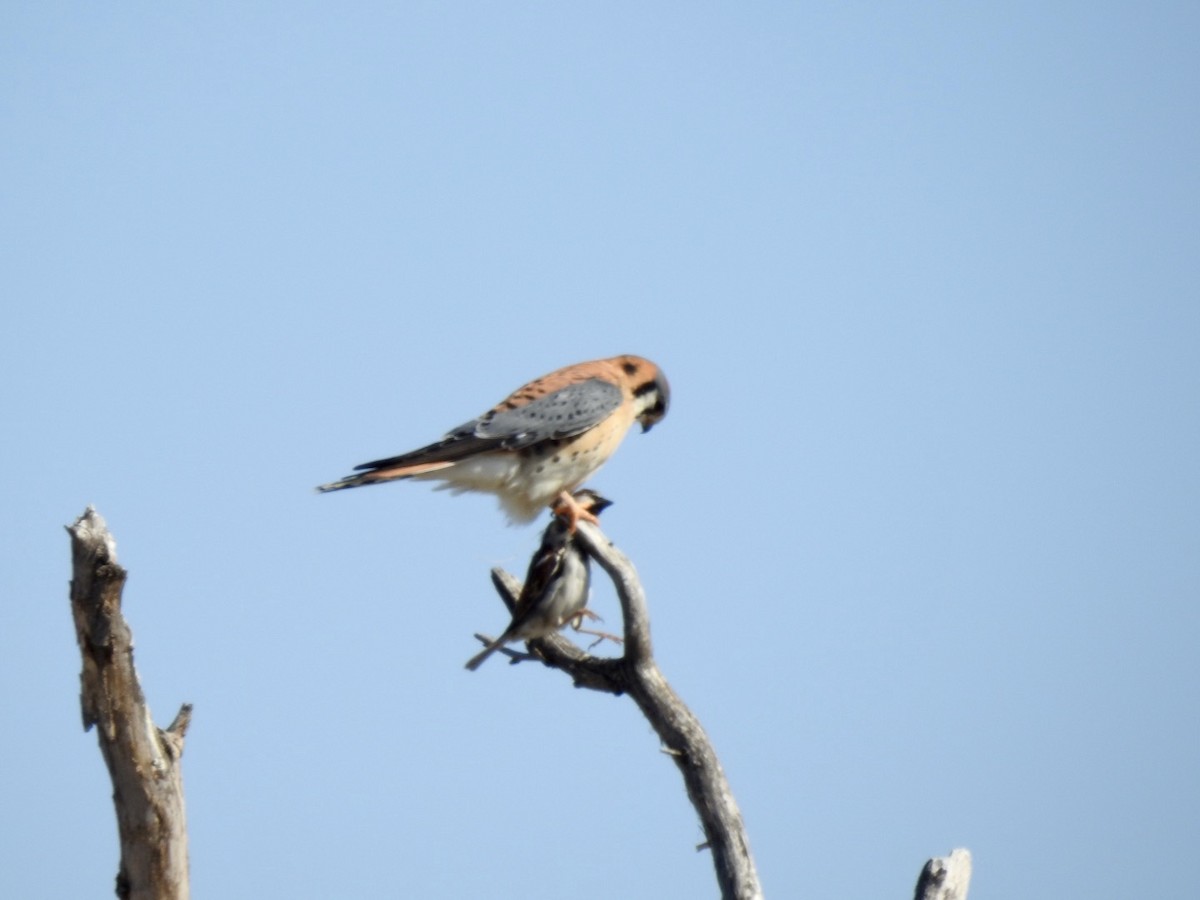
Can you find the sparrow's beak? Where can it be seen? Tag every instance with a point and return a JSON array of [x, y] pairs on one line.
[[600, 504]]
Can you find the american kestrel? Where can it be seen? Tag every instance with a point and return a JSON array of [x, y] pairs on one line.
[[556, 587], [538, 445]]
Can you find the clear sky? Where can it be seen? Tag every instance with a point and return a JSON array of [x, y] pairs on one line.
[[920, 535]]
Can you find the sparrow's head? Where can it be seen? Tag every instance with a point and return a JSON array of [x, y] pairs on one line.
[[651, 392], [592, 501]]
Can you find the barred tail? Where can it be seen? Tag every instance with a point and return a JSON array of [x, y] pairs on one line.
[[384, 473], [348, 482]]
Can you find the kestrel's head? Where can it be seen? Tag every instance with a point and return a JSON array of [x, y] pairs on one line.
[[651, 392]]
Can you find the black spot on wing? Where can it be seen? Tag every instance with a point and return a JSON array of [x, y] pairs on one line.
[[566, 412]]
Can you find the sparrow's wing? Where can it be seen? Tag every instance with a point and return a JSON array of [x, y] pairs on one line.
[[544, 567]]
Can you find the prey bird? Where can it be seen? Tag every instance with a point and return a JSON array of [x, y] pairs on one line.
[[556, 588]]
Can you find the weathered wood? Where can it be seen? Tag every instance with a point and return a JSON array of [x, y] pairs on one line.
[[636, 673], [143, 761], [945, 877]]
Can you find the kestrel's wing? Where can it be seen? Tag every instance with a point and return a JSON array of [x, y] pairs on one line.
[[564, 413], [569, 411]]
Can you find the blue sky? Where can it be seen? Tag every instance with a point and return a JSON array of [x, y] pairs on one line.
[[920, 536]]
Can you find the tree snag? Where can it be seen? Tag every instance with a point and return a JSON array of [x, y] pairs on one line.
[[143, 760], [945, 878]]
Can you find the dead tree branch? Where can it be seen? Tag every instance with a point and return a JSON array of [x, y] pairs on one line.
[[635, 673], [143, 761]]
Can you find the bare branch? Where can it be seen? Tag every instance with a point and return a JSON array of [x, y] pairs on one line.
[[638, 648], [684, 740], [142, 760]]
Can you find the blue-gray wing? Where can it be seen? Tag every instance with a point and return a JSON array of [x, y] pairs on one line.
[[563, 413]]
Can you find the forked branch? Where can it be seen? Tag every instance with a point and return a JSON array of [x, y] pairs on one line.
[[637, 674]]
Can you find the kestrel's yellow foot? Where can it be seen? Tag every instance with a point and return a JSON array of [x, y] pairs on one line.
[[568, 508], [542, 439]]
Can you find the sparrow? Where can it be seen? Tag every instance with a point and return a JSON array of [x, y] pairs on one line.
[[556, 586], [535, 447]]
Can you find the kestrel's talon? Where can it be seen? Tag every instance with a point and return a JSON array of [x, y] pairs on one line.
[[542, 441]]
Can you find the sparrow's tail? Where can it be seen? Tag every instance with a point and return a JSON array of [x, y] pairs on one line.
[[481, 657]]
